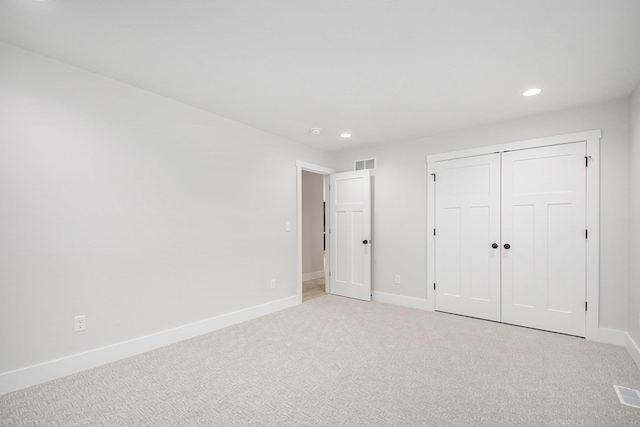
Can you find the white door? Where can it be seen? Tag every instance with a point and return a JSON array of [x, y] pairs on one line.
[[350, 234], [467, 235], [543, 227]]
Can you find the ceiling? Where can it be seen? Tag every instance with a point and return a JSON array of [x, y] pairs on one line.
[[383, 70]]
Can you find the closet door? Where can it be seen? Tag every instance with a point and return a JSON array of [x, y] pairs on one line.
[[467, 255], [543, 238]]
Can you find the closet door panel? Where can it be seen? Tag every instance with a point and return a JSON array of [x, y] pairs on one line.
[[543, 226], [467, 267]]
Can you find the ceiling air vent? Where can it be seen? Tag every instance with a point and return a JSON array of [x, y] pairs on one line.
[[365, 164]]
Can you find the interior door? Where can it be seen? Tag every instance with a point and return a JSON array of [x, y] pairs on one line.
[[543, 237], [467, 235], [350, 234]]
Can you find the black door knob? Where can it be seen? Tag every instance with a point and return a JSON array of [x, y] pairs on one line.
[[364, 242], [494, 246], [507, 246]]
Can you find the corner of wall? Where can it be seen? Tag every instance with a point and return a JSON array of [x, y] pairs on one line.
[[633, 349], [633, 307]]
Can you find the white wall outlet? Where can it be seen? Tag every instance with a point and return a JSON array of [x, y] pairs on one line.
[[273, 283], [79, 323], [287, 226], [397, 279]]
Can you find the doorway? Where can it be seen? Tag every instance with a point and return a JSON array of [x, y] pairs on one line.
[[313, 235], [348, 247], [324, 172]]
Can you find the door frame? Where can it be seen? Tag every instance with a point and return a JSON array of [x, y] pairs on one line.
[[592, 139], [321, 170]]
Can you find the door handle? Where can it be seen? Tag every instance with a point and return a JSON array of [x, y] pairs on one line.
[[364, 242], [507, 246], [494, 246]]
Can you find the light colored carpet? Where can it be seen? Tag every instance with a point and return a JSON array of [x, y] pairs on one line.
[[336, 361]]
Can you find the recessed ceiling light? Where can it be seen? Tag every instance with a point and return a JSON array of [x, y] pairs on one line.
[[316, 131], [531, 92], [345, 135]]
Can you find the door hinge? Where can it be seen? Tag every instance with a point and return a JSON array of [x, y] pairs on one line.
[[434, 286], [586, 234], [586, 161], [585, 306], [329, 274], [434, 177], [434, 231]]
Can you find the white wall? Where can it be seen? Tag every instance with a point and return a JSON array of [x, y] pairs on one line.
[[146, 214], [634, 215], [312, 223], [142, 213], [400, 199]]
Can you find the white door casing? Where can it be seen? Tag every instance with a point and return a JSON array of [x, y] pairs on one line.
[[467, 267], [350, 234], [543, 225]]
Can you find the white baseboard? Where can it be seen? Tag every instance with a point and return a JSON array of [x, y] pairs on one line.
[[633, 349], [612, 336], [50, 370], [410, 302], [312, 276], [607, 336]]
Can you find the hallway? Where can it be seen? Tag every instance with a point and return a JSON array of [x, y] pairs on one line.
[[312, 289]]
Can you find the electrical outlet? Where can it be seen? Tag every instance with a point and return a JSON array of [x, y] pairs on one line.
[[79, 323], [273, 283], [287, 226], [397, 280]]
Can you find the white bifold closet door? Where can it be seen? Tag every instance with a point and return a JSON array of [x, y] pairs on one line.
[[510, 237]]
